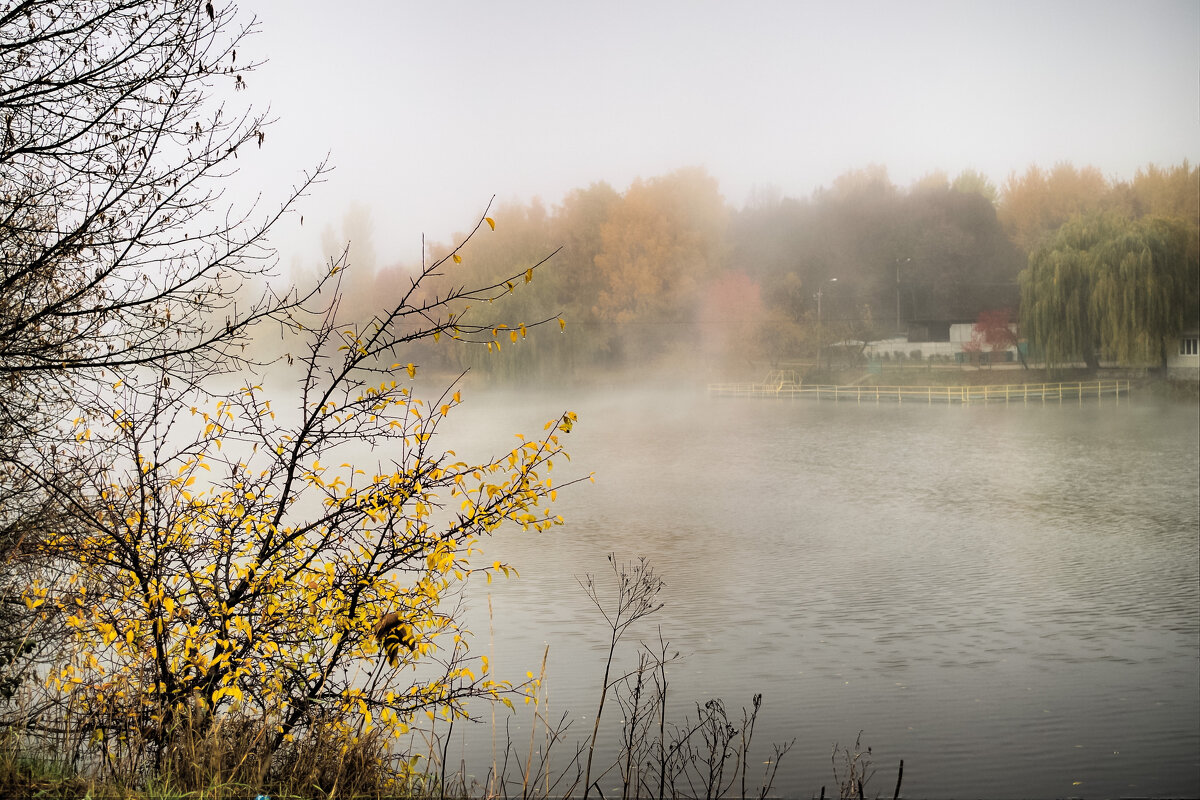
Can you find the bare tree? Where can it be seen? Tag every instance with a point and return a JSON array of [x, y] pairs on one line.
[[118, 133]]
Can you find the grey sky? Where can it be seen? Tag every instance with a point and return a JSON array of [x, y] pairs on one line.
[[428, 109]]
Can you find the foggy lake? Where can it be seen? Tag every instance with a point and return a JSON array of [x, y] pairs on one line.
[[1006, 597]]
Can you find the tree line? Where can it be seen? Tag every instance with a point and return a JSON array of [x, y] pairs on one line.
[[667, 271]]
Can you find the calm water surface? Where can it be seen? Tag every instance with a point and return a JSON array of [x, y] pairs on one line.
[[1007, 598]]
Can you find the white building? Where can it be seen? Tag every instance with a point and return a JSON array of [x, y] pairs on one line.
[[1183, 355], [960, 335]]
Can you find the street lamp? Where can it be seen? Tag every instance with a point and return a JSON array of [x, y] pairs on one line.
[[820, 331], [898, 260]]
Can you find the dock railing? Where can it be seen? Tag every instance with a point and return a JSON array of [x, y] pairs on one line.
[[777, 386]]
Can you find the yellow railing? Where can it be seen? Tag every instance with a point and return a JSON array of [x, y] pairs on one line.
[[1007, 393]]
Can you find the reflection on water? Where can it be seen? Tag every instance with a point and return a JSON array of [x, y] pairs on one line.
[[1008, 598]]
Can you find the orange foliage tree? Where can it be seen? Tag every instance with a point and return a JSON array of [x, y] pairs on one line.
[[1033, 205], [660, 245]]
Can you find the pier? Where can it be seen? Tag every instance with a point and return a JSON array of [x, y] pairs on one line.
[[782, 386]]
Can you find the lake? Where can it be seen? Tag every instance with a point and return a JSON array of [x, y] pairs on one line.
[[1006, 597]]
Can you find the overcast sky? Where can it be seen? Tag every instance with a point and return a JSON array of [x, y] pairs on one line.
[[428, 109]]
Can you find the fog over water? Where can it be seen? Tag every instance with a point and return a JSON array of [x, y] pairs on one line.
[[1006, 597]]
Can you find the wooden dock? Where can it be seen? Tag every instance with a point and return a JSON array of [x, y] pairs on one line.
[[786, 389]]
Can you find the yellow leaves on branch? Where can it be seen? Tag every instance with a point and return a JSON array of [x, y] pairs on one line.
[[227, 691], [35, 595], [253, 619]]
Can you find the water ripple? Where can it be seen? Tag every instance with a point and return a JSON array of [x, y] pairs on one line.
[[979, 588]]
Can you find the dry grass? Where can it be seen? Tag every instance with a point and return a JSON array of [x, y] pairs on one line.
[[228, 761], [235, 758]]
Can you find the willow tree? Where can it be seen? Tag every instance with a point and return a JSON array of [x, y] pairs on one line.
[[1106, 286]]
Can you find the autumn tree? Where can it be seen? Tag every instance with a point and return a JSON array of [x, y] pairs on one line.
[[1170, 192], [579, 224], [118, 256], [517, 354], [215, 561], [1035, 203], [994, 330], [1106, 286], [659, 247], [732, 320], [626, 260], [230, 558], [659, 243]]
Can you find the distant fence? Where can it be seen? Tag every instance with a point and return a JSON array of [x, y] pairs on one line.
[[1007, 393]]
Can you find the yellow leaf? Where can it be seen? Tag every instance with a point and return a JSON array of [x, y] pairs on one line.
[[562, 324], [529, 275], [491, 222], [412, 370], [457, 258]]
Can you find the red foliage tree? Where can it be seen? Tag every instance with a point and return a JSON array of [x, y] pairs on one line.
[[995, 330]]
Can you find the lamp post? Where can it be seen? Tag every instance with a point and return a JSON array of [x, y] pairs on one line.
[[898, 260], [820, 330]]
